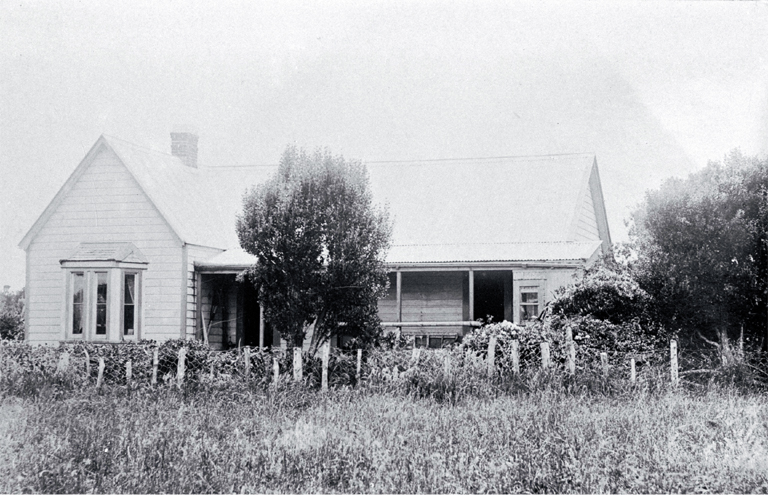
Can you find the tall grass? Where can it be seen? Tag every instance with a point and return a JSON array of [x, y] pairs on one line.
[[294, 440]]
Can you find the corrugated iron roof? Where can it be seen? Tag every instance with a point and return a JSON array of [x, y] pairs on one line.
[[490, 209]]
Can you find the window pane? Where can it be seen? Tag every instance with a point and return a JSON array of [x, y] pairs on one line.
[[529, 297], [130, 287], [529, 311], [101, 303], [128, 319], [129, 306], [78, 285]]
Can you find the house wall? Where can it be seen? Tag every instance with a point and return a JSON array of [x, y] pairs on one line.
[[104, 204], [548, 280], [426, 296]]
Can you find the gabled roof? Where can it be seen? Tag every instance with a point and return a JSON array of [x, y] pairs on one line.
[[464, 210]]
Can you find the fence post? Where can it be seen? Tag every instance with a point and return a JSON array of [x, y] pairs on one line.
[[415, 354], [87, 364], [571, 358], [516, 356], [128, 372], [359, 365], [326, 357], [247, 361], [491, 355], [180, 367], [632, 372], [275, 369], [570, 351], [545, 355], [298, 371], [63, 364], [673, 361], [604, 362], [154, 367], [100, 377]]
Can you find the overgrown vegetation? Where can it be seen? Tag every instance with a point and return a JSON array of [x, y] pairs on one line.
[[292, 440], [699, 247], [12, 315]]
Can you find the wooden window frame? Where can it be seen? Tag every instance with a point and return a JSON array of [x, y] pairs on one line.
[[114, 272], [137, 305], [518, 287]]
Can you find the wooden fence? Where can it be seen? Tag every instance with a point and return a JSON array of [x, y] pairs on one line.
[[64, 363]]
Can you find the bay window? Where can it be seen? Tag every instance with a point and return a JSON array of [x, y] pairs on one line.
[[103, 296]]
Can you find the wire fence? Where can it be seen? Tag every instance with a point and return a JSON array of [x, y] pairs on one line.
[[178, 363]]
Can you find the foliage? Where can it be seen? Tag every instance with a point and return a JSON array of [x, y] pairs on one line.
[[605, 292], [700, 248], [320, 245], [12, 315]]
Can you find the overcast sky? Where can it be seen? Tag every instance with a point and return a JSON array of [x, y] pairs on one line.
[[653, 89]]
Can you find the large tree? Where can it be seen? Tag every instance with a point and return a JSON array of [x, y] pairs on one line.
[[701, 248], [320, 244]]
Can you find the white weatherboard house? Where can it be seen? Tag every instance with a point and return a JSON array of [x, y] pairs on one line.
[[140, 244]]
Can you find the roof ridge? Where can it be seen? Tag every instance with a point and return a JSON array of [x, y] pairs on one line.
[[481, 158], [138, 146], [494, 243]]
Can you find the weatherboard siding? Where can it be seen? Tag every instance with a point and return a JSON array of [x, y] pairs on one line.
[[426, 297], [105, 204], [586, 227]]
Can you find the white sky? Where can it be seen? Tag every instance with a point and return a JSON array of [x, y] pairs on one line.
[[654, 89]]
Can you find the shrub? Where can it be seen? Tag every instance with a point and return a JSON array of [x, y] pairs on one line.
[[603, 294]]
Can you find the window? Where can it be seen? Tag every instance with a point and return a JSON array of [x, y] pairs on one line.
[[129, 304], [103, 282], [78, 290], [529, 303]]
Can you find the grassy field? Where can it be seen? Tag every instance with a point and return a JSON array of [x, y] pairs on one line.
[[294, 440]]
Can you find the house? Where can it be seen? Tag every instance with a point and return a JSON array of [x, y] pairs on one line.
[[140, 244]]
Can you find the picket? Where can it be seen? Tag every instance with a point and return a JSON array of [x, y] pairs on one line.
[[100, 377], [516, 356], [604, 362], [180, 368], [632, 372], [128, 372], [298, 371], [491, 355], [673, 370], [154, 367], [545, 355], [326, 358], [247, 361], [275, 369], [358, 369]]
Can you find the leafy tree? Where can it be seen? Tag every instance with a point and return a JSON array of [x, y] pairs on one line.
[[320, 244], [700, 246], [12, 315]]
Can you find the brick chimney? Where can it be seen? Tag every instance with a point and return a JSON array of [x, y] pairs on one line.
[[184, 146]]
